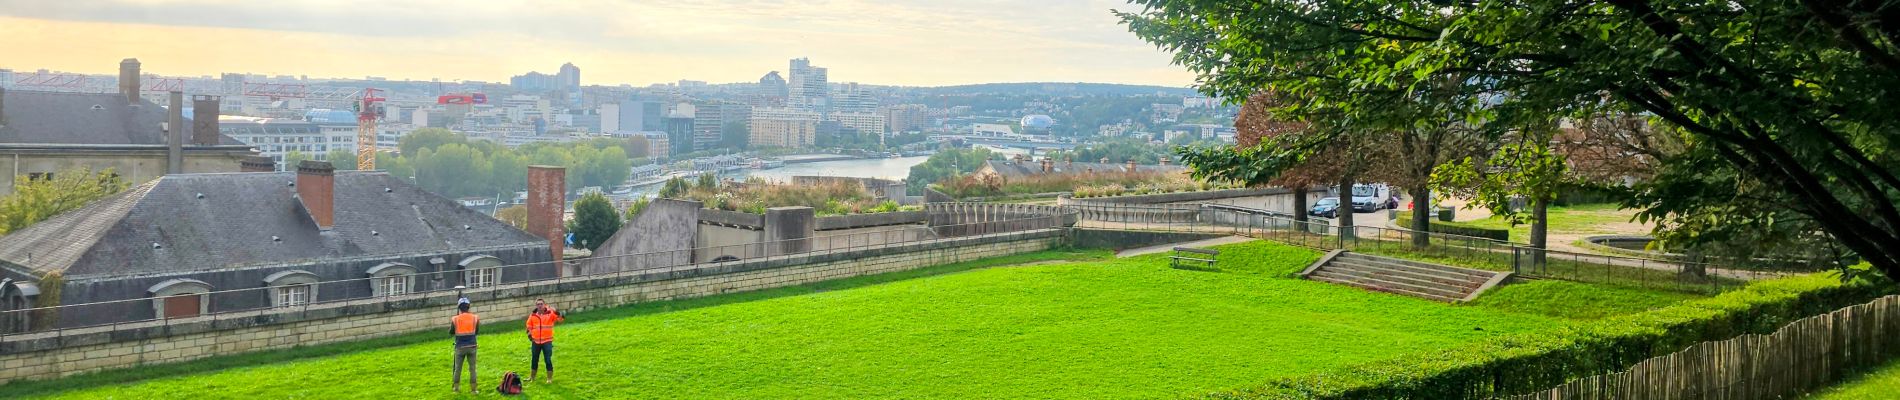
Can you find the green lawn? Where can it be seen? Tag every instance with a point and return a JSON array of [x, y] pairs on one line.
[[1881, 384], [1094, 328], [1581, 219]]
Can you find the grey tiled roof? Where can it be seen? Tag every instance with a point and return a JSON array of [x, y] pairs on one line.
[[83, 119], [1012, 169], [234, 223]]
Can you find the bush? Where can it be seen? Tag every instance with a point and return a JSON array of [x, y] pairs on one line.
[[1526, 363], [1454, 228]]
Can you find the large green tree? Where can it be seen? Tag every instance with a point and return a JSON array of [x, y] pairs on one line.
[[36, 199], [948, 163], [1784, 104], [594, 221]]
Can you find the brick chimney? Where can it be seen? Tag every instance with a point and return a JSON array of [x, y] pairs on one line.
[[3, 106], [316, 187], [204, 120], [1048, 165], [175, 134], [1131, 166], [257, 164], [547, 201], [129, 80]]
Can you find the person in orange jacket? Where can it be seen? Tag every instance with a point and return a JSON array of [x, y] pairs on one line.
[[463, 327], [541, 338]]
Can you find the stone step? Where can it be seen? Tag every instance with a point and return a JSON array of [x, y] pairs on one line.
[[1403, 276], [1395, 284], [1421, 266], [1464, 278], [1376, 285]]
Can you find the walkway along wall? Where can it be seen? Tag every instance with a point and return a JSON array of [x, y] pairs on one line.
[[70, 352]]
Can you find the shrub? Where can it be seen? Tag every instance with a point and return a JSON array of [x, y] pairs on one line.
[[1453, 228], [1526, 363]]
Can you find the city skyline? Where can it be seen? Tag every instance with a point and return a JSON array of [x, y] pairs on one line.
[[909, 43]]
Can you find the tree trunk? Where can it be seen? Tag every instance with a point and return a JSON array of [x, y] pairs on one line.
[[1299, 206], [1540, 229], [1421, 218], [1345, 207]]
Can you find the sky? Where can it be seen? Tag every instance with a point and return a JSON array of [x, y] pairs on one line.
[[638, 42]]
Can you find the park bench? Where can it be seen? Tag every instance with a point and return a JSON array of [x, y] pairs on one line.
[[1192, 258]]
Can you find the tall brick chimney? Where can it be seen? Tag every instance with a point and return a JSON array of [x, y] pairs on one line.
[[1048, 165], [175, 134], [316, 187], [257, 164], [1131, 166], [547, 201], [204, 120], [129, 80]]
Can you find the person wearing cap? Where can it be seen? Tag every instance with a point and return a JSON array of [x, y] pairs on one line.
[[541, 338], [463, 327]]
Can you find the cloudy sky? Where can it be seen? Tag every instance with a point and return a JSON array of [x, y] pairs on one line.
[[906, 42]]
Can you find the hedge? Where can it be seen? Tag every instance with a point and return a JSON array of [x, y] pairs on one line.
[[1527, 363], [1453, 228]]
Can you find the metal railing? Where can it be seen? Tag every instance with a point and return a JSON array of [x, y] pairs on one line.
[[259, 305], [1457, 250]]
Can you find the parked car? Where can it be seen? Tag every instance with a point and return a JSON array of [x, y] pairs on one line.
[[1327, 207]]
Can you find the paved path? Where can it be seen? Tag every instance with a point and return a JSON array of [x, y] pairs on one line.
[[1168, 247]]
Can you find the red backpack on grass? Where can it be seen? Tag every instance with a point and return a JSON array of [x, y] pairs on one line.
[[510, 383]]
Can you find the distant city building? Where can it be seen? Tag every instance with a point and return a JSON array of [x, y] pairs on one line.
[[991, 130], [1166, 113], [567, 82], [569, 77], [658, 146], [691, 84], [906, 117], [808, 87], [679, 128], [710, 118], [276, 137], [632, 116], [771, 91], [783, 127], [849, 97], [1200, 102], [862, 122], [1037, 122]]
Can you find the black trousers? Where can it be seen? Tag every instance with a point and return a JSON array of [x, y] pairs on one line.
[[538, 352]]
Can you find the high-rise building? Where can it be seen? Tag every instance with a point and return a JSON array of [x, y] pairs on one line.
[[679, 128], [849, 97], [808, 87], [710, 119], [906, 117], [569, 77], [770, 92], [783, 127]]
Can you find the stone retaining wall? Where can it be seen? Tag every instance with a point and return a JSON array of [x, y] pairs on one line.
[[59, 354]]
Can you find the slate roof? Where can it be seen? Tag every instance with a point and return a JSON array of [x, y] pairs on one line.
[[1012, 169], [233, 224], [53, 118]]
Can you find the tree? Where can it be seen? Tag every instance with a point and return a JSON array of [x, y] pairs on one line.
[[427, 138], [1525, 168], [34, 200], [638, 205], [515, 215], [675, 188], [1784, 106], [734, 135], [343, 160], [594, 221], [948, 163], [293, 158]]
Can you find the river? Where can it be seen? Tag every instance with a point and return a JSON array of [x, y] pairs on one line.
[[886, 168]]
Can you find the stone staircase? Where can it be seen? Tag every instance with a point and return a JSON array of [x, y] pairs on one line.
[[1403, 277]]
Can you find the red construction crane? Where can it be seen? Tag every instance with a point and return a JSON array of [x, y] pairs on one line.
[[369, 108]]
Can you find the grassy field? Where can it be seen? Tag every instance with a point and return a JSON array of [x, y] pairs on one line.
[[1582, 219], [1083, 327], [1881, 384]]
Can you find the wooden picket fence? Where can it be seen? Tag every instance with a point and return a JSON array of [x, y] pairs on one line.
[[1804, 356]]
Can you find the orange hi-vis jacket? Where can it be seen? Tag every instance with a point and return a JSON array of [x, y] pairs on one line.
[[463, 327], [541, 326]]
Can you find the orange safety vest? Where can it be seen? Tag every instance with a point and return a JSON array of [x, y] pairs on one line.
[[541, 326], [465, 323]]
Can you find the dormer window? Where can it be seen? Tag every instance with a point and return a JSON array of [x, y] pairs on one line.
[[292, 288]]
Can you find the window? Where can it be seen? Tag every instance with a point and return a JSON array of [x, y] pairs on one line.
[[389, 279], [34, 176], [179, 298], [484, 277], [394, 285], [293, 295], [291, 288]]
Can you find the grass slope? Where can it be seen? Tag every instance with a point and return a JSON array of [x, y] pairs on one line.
[[1102, 328], [1880, 384]]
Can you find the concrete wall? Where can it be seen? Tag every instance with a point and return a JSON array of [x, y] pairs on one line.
[[1277, 202], [787, 229], [870, 236], [50, 355], [666, 225], [1120, 240], [837, 222], [715, 241]]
